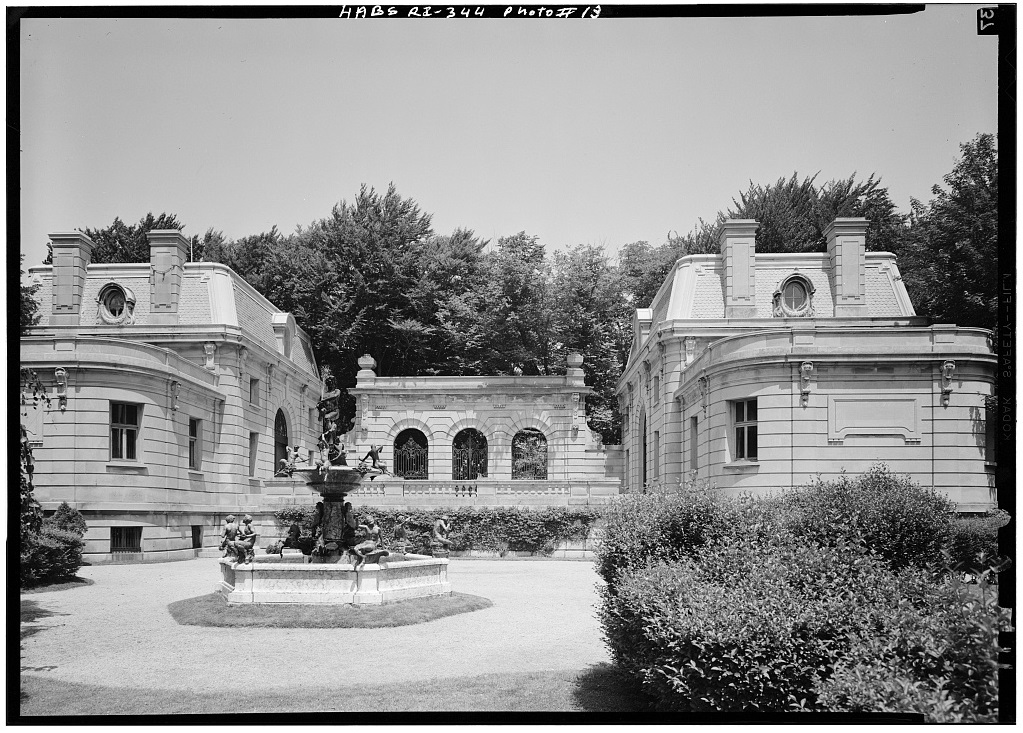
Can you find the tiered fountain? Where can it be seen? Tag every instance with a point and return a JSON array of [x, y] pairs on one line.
[[334, 573]]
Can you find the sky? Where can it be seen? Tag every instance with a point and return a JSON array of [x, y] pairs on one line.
[[587, 131]]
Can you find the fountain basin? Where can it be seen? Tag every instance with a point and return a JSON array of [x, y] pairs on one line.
[[299, 582]]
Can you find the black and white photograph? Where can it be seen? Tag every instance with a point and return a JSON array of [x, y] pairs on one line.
[[511, 363]]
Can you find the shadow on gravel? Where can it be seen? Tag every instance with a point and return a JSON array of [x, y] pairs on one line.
[[603, 689], [63, 584], [30, 613], [213, 610]]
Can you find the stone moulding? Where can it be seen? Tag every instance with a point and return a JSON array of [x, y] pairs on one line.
[[299, 582]]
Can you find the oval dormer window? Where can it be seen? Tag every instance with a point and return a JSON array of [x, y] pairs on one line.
[[116, 304], [794, 298]]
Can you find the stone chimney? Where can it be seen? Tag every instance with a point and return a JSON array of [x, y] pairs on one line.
[[72, 252], [847, 250], [168, 252], [738, 250]]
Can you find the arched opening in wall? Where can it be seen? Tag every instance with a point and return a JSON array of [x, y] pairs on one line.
[[411, 450], [280, 439], [469, 455], [529, 455]]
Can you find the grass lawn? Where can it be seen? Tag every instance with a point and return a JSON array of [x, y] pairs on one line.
[[598, 689], [213, 610]]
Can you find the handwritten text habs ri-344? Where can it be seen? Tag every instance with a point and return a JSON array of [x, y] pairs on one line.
[[470, 11]]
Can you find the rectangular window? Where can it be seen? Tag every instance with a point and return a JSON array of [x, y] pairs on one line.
[[745, 412], [693, 453], [253, 390], [194, 443], [124, 431], [990, 436], [126, 539], [253, 449], [313, 423], [196, 536], [657, 390], [657, 453], [628, 469]]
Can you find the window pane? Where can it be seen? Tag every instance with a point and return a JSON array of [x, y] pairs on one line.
[[116, 450], [740, 412], [116, 413], [129, 436], [751, 442], [751, 411], [740, 443], [193, 428]]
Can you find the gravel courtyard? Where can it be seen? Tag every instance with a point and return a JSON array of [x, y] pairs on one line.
[[118, 634]]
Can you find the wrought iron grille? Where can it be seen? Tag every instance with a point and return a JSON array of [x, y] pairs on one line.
[[469, 455], [410, 455], [126, 539], [529, 455]]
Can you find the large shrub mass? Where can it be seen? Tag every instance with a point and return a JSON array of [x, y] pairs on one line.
[[51, 554], [897, 518], [815, 600]]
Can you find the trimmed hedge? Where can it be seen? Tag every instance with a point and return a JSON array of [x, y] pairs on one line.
[[489, 529]]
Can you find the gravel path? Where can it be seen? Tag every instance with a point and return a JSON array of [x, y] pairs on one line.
[[118, 632]]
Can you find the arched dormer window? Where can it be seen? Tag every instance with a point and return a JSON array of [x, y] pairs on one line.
[[116, 305], [794, 297]]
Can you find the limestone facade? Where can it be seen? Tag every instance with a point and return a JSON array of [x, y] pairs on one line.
[[175, 386], [467, 438], [757, 372]]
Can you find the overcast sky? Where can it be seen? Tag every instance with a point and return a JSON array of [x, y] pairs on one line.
[[601, 131]]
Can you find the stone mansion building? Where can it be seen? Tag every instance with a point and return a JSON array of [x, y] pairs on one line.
[[176, 390], [756, 372]]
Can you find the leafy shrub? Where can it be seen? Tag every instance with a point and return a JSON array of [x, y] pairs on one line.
[[937, 655], [778, 625], [898, 519], [286, 516], [67, 519], [274, 548], [474, 528], [973, 539], [51, 554], [657, 527], [742, 625]]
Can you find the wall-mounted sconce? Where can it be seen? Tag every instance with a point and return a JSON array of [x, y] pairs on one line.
[[175, 388], [805, 370], [704, 390], [210, 349], [947, 370], [61, 374]]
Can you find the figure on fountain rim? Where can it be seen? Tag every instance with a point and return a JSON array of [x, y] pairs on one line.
[[441, 528], [229, 533], [243, 548]]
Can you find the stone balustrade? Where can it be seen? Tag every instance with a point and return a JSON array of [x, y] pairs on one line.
[[396, 492]]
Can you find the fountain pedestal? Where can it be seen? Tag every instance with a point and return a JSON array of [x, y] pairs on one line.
[[331, 577]]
